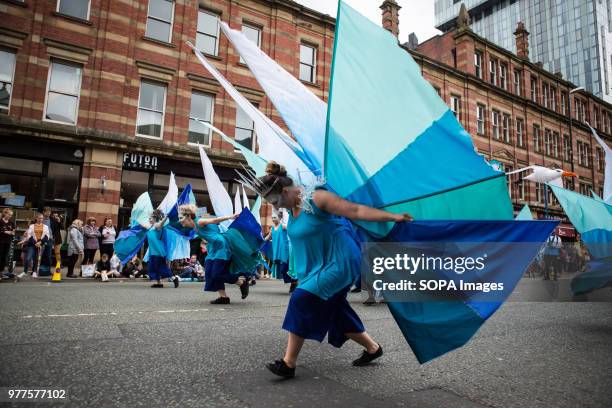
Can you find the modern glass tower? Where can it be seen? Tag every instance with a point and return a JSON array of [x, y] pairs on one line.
[[573, 37]]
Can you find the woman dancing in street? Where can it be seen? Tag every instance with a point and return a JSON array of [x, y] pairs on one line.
[[327, 262]]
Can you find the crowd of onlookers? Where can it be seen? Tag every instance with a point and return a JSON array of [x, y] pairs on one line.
[[87, 250], [558, 258]]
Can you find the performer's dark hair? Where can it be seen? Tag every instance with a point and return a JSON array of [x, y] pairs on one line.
[[276, 177], [157, 214]]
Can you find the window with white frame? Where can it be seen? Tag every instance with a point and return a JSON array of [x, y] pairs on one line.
[[308, 63], [520, 133], [537, 142], [252, 33], [547, 142], [480, 119], [553, 98], [7, 73], [495, 124], [159, 20], [478, 63], [545, 94], [506, 127], [201, 111], [207, 35], [518, 87], [503, 75], [555, 144], [493, 71], [567, 148], [245, 129], [455, 105], [74, 8], [599, 157], [151, 107], [564, 103], [534, 89], [63, 90]]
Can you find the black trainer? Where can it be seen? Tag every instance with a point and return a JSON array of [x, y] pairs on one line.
[[157, 285], [366, 358], [293, 286], [176, 281], [280, 368], [220, 301], [244, 289]]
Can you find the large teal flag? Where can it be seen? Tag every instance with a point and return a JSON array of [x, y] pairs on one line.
[[390, 138], [593, 220]]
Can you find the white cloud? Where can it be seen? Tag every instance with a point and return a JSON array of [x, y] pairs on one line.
[[415, 16]]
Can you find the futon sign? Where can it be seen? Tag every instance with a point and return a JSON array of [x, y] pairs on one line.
[[139, 161]]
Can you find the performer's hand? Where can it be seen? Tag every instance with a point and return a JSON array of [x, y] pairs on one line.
[[234, 216], [404, 217], [37, 245]]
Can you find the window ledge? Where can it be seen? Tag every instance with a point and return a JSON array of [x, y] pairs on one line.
[[215, 57], [16, 3], [159, 42], [73, 18], [312, 84]]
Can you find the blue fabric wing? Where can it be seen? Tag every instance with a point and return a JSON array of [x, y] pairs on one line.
[[433, 328], [129, 242]]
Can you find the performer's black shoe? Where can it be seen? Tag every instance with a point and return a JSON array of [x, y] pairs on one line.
[[220, 301], [293, 286], [176, 281], [280, 368], [356, 289], [366, 358], [157, 285], [244, 289], [369, 302]]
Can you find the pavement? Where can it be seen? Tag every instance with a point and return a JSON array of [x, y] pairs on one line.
[[125, 344]]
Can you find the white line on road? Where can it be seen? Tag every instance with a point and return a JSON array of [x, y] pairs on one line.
[[117, 314]]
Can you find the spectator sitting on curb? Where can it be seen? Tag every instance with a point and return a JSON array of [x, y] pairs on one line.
[[102, 268], [115, 264]]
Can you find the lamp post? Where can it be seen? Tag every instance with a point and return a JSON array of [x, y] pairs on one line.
[[571, 136]]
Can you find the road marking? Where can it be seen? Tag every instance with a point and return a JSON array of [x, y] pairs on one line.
[[117, 314]]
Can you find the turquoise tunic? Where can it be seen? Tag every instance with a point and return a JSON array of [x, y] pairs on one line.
[[218, 247], [280, 244], [155, 239], [326, 254]]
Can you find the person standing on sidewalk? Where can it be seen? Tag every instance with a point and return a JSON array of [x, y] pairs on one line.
[[108, 233], [75, 247], [92, 241], [7, 234], [35, 238], [56, 233]]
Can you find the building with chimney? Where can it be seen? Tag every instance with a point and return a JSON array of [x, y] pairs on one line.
[[573, 37]]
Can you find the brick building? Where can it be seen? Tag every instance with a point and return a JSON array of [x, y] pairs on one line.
[[98, 97], [517, 113], [104, 92]]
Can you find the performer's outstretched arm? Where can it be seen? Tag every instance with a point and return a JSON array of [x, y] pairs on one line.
[[336, 205], [207, 221]]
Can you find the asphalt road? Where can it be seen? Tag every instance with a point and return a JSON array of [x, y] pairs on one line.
[[125, 344]]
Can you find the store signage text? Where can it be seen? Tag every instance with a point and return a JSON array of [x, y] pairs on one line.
[[139, 161]]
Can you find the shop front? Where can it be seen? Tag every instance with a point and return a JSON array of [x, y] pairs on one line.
[[144, 172], [33, 176]]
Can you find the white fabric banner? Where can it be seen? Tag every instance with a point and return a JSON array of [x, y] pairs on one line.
[[607, 191], [219, 197], [171, 196], [237, 204], [273, 143], [245, 198]]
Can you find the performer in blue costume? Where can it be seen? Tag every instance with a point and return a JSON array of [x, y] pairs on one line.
[[280, 251], [157, 266], [327, 261], [218, 260]]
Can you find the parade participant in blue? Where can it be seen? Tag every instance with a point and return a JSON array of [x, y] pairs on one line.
[[280, 251], [217, 267], [157, 266], [327, 262]]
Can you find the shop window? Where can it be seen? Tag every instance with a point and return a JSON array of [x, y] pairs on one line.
[[133, 184], [7, 74], [20, 182], [207, 33], [21, 165], [245, 129], [63, 89], [202, 109], [74, 8], [308, 63], [151, 105], [63, 182], [159, 20]]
